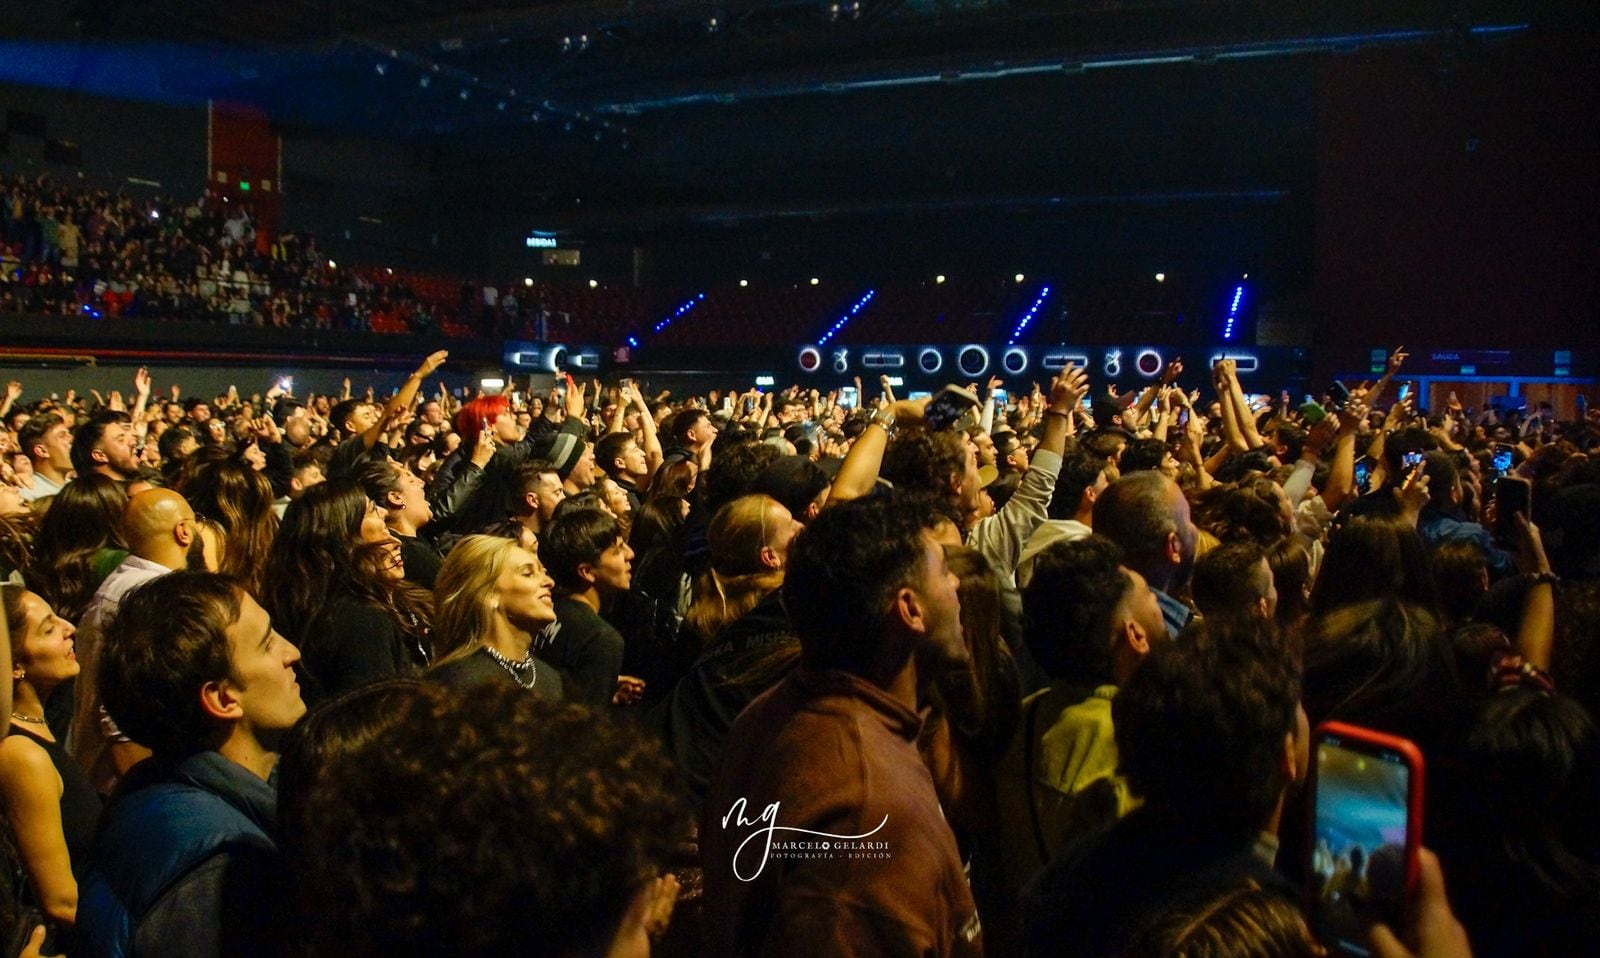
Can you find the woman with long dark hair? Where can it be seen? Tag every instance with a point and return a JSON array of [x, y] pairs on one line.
[[79, 544], [240, 499], [333, 585]]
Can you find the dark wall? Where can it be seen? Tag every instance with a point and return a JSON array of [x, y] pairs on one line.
[[1458, 199], [118, 139]]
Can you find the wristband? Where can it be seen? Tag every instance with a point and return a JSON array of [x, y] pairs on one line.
[[1543, 578]]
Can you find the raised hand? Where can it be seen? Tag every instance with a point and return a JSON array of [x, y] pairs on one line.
[[1397, 358], [433, 362], [141, 381], [1413, 494], [1172, 372], [13, 390], [1068, 389]]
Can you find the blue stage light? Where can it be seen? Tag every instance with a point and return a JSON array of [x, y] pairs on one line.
[[688, 305], [1233, 312], [860, 304], [1028, 316]]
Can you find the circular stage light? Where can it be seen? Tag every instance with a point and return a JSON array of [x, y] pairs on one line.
[[973, 360], [930, 360], [810, 359], [1149, 363], [1015, 361]]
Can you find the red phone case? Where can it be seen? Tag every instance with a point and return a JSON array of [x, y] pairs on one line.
[[1412, 756]]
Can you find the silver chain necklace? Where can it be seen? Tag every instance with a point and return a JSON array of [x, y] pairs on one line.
[[524, 673]]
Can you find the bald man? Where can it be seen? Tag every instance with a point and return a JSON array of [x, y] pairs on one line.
[[163, 535]]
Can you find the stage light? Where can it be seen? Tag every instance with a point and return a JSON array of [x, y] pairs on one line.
[[713, 25], [389, 270], [688, 305], [939, 278], [859, 305], [424, 81], [332, 264], [815, 281], [1233, 312], [527, 280], [465, 94], [1161, 277], [744, 282], [1027, 317], [594, 284], [382, 68], [1019, 277]]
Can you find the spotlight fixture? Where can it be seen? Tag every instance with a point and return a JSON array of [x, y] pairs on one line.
[[381, 68], [1019, 277], [1161, 277], [713, 25], [527, 280], [939, 278], [332, 264], [594, 284], [744, 282], [424, 81], [465, 94], [815, 281]]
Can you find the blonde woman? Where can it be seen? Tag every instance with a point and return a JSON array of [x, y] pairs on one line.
[[737, 616], [490, 597]]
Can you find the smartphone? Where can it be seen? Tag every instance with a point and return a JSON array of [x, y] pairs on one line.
[[1366, 830], [1338, 395], [1363, 475], [1405, 390], [1512, 494], [1503, 454], [848, 397], [952, 407], [1001, 397], [1183, 418]]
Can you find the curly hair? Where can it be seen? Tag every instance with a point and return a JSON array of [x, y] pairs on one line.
[[85, 517], [168, 638], [493, 824], [1200, 726], [240, 499], [925, 460], [331, 732], [1250, 510]]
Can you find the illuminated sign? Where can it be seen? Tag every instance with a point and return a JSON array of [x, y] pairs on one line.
[[537, 240], [765, 381], [882, 359]]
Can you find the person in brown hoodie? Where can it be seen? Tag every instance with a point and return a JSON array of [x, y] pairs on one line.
[[823, 834]]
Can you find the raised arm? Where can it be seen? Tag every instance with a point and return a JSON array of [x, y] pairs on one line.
[[859, 471], [401, 400]]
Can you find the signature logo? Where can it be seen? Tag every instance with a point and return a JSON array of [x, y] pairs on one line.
[[769, 819]]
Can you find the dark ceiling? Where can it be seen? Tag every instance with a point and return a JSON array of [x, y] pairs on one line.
[[401, 67], [616, 116]]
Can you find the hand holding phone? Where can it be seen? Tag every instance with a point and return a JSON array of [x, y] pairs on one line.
[[1366, 833], [1512, 494]]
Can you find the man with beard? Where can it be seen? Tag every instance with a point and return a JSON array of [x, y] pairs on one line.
[[1146, 515], [164, 535], [822, 830], [105, 444]]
